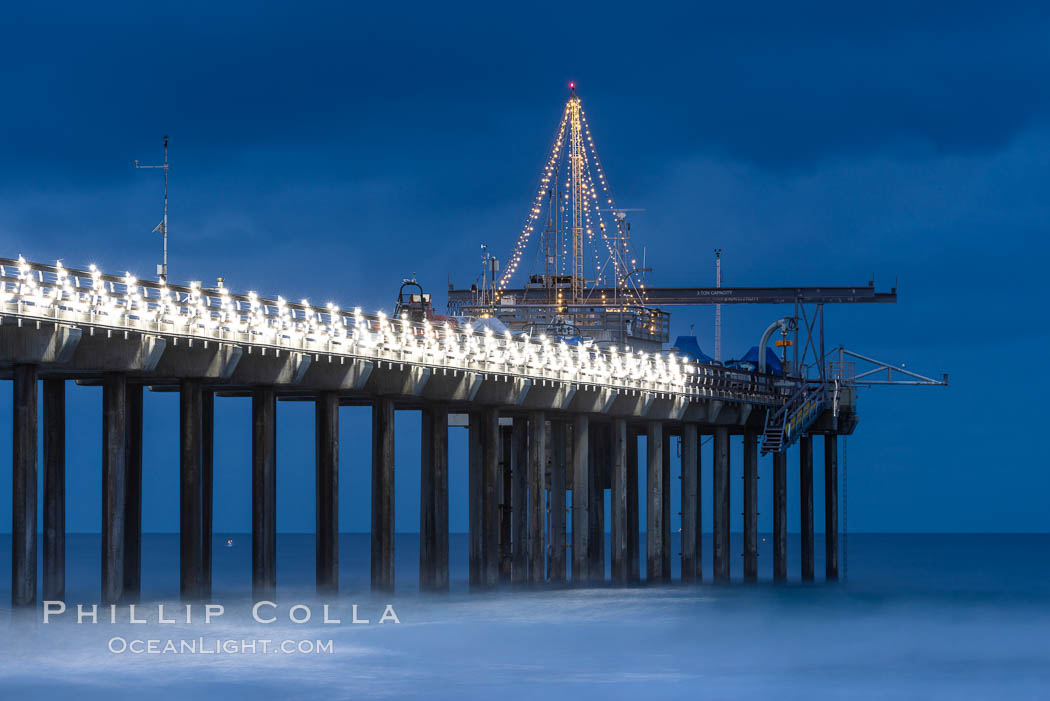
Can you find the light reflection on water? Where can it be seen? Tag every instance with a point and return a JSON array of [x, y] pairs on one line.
[[921, 617]]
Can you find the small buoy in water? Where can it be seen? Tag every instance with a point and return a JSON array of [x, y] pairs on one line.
[[229, 542], [763, 540]]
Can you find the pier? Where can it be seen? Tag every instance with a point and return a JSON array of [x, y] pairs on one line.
[[554, 431]]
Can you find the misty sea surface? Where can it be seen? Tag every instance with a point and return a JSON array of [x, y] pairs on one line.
[[919, 617]]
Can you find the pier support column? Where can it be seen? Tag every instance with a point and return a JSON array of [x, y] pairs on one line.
[[779, 517], [690, 503], [264, 493], [831, 507], [133, 495], [191, 495], [490, 503], [596, 502], [114, 484], [750, 506], [519, 492], [805, 464], [433, 500], [54, 490], [537, 471], [207, 486], [23, 486], [618, 492], [665, 508], [484, 500], [633, 531], [506, 487], [580, 499], [326, 453], [721, 505], [654, 507], [383, 495], [556, 502]]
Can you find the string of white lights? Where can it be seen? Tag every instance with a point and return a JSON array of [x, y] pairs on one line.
[[537, 206], [93, 299]]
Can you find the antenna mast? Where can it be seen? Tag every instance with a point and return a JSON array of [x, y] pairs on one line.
[[162, 269], [577, 185], [718, 307]]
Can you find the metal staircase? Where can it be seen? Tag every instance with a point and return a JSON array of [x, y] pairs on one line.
[[784, 426]]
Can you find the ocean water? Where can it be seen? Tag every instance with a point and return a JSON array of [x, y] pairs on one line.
[[919, 617]]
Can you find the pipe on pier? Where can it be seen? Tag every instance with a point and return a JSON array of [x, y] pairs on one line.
[[750, 506], [191, 495], [54, 490], [721, 504], [618, 492], [654, 511], [690, 503], [556, 502], [114, 484], [519, 492], [537, 470], [805, 463], [326, 452], [132, 494], [831, 507], [779, 516], [264, 493], [433, 499], [382, 561], [580, 499], [23, 487]]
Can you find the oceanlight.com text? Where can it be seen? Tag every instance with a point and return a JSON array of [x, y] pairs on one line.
[[230, 646]]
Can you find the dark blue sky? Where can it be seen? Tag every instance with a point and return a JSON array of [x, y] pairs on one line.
[[326, 151]]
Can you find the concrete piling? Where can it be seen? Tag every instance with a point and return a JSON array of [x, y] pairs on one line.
[[433, 499], [831, 507], [618, 494], [779, 517], [581, 499], [665, 506], [537, 469], [326, 453], [633, 569], [382, 561], [191, 501], [750, 506], [720, 495], [805, 464], [506, 487], [207, 487], [556, 502], [690, 503], [654, 511], [23, 487], [519, 492], [132, 494], [54, 490], [264, 493], [491, 497], [596, 503], [114, 484]]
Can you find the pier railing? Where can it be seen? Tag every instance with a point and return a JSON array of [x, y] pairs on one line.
[[92, 298]]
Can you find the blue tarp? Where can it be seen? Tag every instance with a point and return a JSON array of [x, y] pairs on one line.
[[690, 347], [750, 361]]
